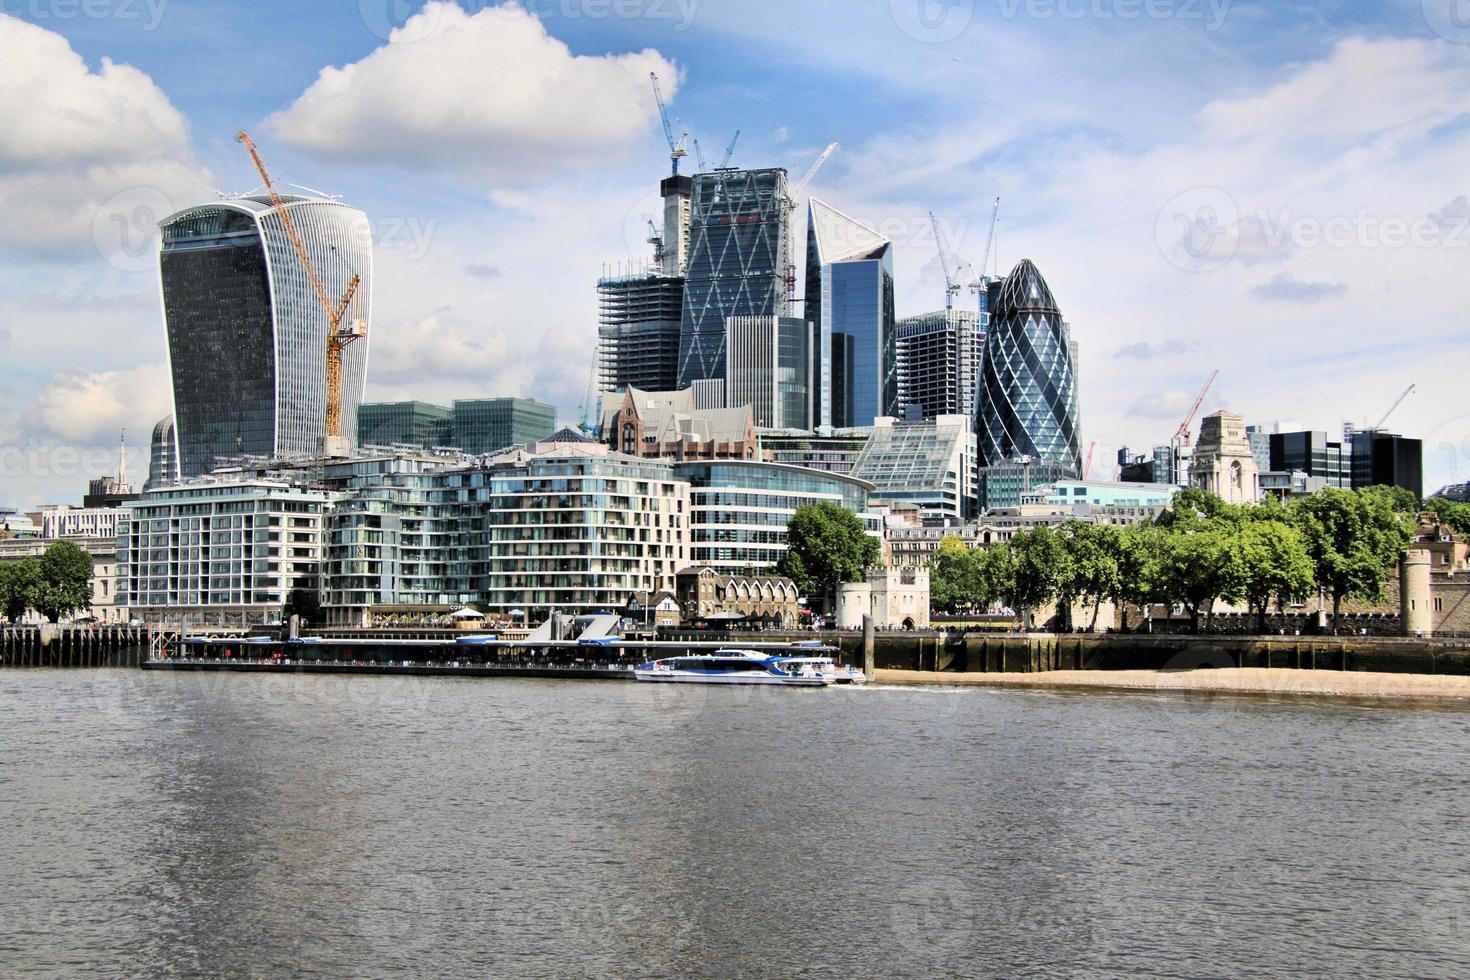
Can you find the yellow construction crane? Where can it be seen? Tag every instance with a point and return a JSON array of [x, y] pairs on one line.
[[338, 336]]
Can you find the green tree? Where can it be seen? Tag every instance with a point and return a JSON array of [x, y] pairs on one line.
[[954, 576], [1193, 507], [1455, 516], [1200, 566], [1136, 551], [1274, 566], [1092, 564], [826, 545], [19, 582], [66, 581], [1026, 571], [1353, 538]]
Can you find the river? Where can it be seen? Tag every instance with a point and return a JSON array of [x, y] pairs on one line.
[[160, 824]]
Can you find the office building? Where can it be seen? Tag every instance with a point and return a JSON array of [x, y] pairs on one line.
[[1314, 454], [772, 364], [1028, 421], [638, 328], [826, 449], [163, 457], [849, 300], [1260, 441], [738, 510], [410, 423], [668, 425], [1223, 463], [487, 425], [1386, 459], [939, 357], [929, 464], [219, 552], [247, 335], [739, 263], [79, 522]]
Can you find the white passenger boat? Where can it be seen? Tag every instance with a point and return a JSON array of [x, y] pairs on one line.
[[735, 666], [826, 667]]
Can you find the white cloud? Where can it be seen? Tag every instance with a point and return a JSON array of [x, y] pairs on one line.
[[85, 407], [488, 93], [84, 156]]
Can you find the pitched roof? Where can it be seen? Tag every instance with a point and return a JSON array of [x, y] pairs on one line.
[[841, 238]]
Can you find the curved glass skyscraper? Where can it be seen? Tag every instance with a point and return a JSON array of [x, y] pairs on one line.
[[1027, 421], [247, 337]]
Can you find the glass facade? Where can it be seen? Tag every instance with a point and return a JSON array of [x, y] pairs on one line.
[[485, 425], [939, 357], [770, 364], [930, 464], [739, 509], [639, 321], [1314, 454], [739, 262], [849, 299], [163, 459], [409, 423], [1028, 391], [247, 335]]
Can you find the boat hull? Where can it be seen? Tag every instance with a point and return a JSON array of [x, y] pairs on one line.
[[694, 677]]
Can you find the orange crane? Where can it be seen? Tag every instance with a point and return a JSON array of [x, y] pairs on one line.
[[338, 335], [1087, 466], [1182, 433]]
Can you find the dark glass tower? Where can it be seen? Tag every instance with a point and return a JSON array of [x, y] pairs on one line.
[[247, 337], [739, 262], [1028, 392], [849, 300]]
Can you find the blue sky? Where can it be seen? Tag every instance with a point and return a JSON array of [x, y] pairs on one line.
[[507, 155]]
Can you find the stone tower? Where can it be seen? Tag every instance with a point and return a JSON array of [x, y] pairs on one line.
[[1223, 463]]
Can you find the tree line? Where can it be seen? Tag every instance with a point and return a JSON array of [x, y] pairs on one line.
[[1200, 552], [55, 584]]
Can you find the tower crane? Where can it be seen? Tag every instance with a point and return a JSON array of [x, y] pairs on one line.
[[339, 336], [699, 156], [1394, 407], [730, 150], [950, 286], [793, 195], [1181, 434], [676, 147], [1087, 466], [977, 285]]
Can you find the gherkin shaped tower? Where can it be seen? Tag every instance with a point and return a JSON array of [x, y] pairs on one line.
[[1028, 395]]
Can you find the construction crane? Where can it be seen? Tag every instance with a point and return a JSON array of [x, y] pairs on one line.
[[1181, 435], [791, 198], [587, 407], [656, 239], [1087, 466], [1394, 407], [676, 147], [339, 336], [699, 156], [730, 150], [977, 285], [951, 288]]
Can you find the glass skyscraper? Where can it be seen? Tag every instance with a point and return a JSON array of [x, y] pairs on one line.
[[849, 300], [739, 262], [1028, 419], [247, 337], [771, 365], [939, 357]]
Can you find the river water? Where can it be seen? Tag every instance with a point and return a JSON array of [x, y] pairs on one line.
[[160, 824]]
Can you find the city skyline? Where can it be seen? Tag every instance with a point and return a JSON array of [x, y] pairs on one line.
[[485, 260]]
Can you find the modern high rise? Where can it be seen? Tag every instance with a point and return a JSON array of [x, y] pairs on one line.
[[163, 456], [639, 318], [247, 336], [773, 365], [939, 356], [485, 425], [1386, 459], [929, 464], [849, 299], [410, 423], [1314, 454], [1028, 423], [739, 262]]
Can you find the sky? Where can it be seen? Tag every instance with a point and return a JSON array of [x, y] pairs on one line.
[[1277, 191]]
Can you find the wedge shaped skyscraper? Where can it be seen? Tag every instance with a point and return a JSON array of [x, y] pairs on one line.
[[1027, 424], [247, 336], [849, 301]]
